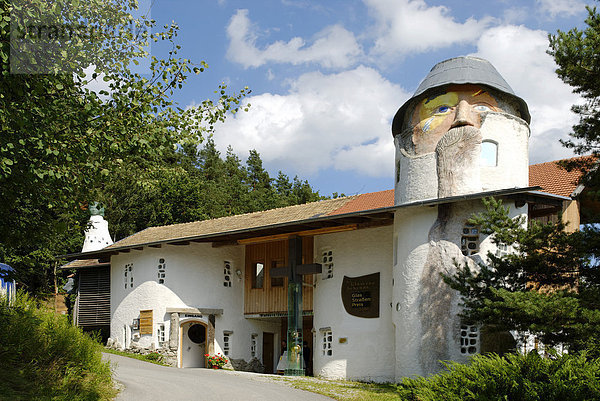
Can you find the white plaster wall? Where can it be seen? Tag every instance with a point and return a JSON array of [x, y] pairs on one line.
[[512, 136], [194, 278], [414, 171], [412, 229], [368, 353]]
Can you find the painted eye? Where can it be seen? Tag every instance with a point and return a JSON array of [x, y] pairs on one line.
[[481, 108], [442, 110]]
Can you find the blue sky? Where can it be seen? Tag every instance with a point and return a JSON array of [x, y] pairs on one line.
[[328, 76]]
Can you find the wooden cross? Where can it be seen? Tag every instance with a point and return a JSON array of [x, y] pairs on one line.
[[295, 269], [294, 272]]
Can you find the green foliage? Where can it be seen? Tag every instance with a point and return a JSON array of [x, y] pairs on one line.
[[196, 184], [61, 142], [549, 286], [44, 357], [513, 377], [576, 54]]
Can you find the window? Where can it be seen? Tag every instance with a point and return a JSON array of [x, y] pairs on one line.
[[146, 322], [327, 341], [227, 274], [253, 345], [327, 262], [160, 333], [489, 153], [277, 281], [502, 250], [469, 242], [227, 342], [128, 275], [258, 274], [469, 339], [161, 271]]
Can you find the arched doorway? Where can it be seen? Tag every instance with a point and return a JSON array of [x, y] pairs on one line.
[[193, 344]]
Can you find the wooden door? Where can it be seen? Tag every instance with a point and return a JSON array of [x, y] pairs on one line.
[[267, 352]]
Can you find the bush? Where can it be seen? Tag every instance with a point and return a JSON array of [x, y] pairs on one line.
[[44, 357], [512, 377]]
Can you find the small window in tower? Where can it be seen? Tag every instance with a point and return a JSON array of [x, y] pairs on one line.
[[162, 271], [258, 274], [227, 274], [469, 241], [469, 339], [489, 153], [327, 263]]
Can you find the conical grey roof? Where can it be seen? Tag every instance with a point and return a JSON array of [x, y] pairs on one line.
[[461, 70]]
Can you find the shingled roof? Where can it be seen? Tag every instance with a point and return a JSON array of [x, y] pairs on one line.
[[272, 217], [553, 178]]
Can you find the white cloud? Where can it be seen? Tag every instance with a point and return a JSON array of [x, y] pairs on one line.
[[519, 54], [403, 27], [340, 121], [561, 7], [333, 47]]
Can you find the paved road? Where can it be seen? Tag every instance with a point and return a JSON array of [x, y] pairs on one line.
[[149, 382]]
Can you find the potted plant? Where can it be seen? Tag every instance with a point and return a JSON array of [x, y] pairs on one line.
[[215, 361]]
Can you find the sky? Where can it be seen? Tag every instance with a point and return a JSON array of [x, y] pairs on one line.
[[328, 76]]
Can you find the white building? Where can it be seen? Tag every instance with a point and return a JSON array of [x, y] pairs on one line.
[[379, 309]]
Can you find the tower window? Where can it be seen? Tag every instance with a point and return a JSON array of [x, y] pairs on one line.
[[469, 241], [469, 339], [489, 153]]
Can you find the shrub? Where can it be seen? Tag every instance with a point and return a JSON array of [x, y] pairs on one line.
[[512, 377], [44, 357]]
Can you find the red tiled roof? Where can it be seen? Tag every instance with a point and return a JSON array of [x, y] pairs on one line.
[[369, 201], [553, 178]]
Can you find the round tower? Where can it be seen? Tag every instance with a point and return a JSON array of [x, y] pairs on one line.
[[464, 131]]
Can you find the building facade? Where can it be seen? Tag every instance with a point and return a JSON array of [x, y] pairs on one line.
[[376, 307]]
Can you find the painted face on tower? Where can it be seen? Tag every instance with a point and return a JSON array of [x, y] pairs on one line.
[[457, 106]]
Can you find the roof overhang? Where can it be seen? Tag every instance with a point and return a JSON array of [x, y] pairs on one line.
[[324, 224]]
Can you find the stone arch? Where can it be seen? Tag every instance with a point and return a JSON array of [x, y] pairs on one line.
[[193, 343]]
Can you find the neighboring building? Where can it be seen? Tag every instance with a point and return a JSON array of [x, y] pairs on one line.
[[378, 309], [91, 284]]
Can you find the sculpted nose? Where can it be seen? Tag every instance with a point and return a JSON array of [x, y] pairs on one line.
[[465, 115]]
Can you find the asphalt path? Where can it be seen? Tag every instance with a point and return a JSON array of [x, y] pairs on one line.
[[146, 381]]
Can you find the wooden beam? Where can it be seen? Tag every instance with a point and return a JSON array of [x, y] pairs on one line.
[[179, 243], [305, 233]]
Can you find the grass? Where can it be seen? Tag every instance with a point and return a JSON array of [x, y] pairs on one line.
[[44, 357], [344, 390], [152, 358]]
